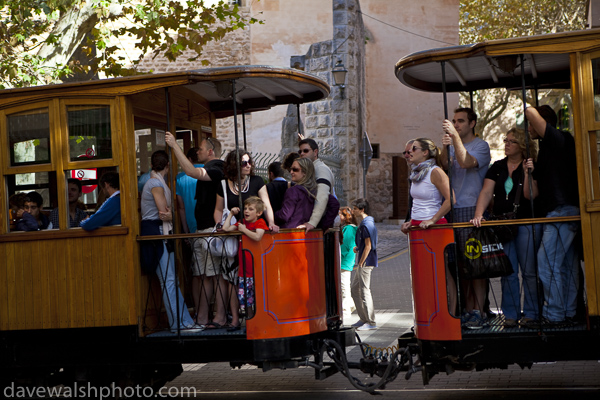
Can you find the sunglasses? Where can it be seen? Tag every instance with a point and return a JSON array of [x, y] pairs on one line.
[[295, 170], [510, 141], [304, 151], [405, 152], [209, 140], [246, 163], [414, 148]]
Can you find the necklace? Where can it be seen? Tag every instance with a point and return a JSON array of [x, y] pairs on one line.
[[512, 166], [245, 186]]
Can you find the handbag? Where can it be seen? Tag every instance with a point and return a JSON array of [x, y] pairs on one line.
[[484, 256], [506, 233], [224, 246]]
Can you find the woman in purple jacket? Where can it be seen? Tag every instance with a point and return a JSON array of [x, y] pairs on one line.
[[299, 200]]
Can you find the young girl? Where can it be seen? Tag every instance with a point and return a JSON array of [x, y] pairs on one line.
[[254, 227], [348, 258]]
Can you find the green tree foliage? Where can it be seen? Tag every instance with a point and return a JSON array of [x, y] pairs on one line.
[[482, 20], [499, 19], [38, 38]]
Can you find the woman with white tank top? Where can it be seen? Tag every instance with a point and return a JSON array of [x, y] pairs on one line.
[[430, 188]]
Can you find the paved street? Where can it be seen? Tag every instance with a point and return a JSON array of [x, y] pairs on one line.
[[392, 296]]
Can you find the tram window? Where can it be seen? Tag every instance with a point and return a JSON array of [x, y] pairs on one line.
[[42, 182], [29, 137], [89, 132], [89, 183], [596, 78]]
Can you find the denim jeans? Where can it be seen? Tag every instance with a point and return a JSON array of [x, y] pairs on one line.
[[521, 252], [558, 265], [170, 291]]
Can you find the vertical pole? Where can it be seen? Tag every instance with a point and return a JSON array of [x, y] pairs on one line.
[[471, 100], [173, 202], [455, 247], [244, 128], [237, 145], [530, 178], [300, 130], [239, 169], [448, 152]]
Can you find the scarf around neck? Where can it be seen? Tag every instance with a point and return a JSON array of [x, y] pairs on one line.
[[421, 170]]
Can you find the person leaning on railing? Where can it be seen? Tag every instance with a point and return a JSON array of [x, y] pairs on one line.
[[507, 183]]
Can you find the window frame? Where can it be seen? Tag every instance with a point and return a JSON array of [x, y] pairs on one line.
[[60, 162]]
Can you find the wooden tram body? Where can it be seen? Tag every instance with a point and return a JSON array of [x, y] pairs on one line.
[[557, 61], [74, 304]]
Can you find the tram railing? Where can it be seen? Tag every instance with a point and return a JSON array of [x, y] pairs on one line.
[[210, 269], [545, 290]]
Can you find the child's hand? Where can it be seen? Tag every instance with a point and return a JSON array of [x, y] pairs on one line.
[[242, 228], [235, 210]]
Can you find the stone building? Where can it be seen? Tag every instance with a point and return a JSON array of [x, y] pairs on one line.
[[369, 37]]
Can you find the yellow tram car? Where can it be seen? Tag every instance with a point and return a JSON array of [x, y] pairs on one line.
[[74, 304]]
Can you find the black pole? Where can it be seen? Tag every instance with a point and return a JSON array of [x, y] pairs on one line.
[[237, 146], [448, 150], [244, 128], [173, 202], [471, 100], [530, 178], [451, 194], [299, 120]]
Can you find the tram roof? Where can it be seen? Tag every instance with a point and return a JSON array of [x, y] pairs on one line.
[[496, 63], [257, 87]]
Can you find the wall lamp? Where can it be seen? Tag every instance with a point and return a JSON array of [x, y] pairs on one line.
[[339, 76]]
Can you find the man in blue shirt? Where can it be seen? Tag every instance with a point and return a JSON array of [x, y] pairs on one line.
[[366, 247], [186, 194], [469, 161], [110, 211]]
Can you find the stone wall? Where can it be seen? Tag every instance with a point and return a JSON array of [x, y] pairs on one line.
[[337, 123]]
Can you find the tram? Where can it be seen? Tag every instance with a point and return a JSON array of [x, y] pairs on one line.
[[76, 306], [565, 61]]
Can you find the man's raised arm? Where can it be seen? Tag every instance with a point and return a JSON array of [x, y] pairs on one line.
[[186, 165]]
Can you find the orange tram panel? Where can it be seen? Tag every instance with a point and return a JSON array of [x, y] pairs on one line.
[[289, 285], [428, 272]]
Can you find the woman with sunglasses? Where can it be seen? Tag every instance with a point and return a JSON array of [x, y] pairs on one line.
[[250, 185], [430, 191], [299, 199], [507, 183]]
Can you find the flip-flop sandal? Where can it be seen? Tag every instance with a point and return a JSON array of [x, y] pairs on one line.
[[214, 325], [232, 328]]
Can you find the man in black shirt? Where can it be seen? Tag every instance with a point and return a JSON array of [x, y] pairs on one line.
[[556, 174], [205, 267]]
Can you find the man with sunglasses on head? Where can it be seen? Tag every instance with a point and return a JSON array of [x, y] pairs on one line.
[[469, 161], [308, 149], [204, 266]]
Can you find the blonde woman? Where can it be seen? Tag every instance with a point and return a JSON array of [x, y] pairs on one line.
[[430, 191], [299, 200], [507, 183]]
